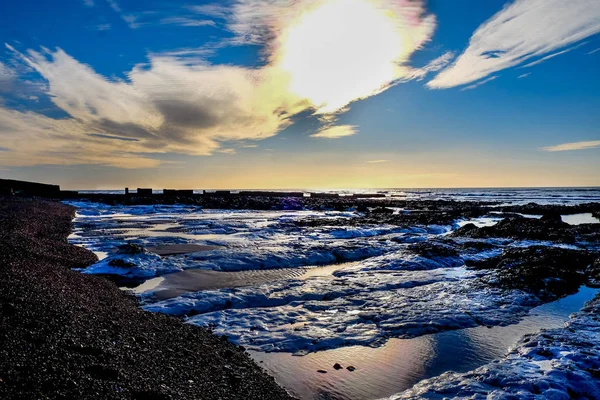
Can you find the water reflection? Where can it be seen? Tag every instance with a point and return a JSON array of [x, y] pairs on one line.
[[400, 363]]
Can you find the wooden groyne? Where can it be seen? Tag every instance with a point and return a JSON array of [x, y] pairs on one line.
[[24, 188]]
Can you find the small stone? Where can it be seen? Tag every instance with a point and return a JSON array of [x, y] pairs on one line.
[[321, 371], [337, 366], [350, 368]]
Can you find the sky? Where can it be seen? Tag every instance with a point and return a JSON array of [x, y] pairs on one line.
[[242, 94]]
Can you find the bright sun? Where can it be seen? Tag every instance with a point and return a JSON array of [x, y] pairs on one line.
[[340, 51]]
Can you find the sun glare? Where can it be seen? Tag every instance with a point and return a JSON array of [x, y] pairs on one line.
[[340, 51]]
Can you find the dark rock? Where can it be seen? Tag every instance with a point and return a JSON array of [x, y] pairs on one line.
[[432, 250], [549, 228], [321, 371], [351, 368], [131, 248], [382, 210], [548, 272], [337, 366], [120, 263], [553, 217]]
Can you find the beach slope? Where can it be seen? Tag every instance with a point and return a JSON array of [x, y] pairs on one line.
[[66, 335]]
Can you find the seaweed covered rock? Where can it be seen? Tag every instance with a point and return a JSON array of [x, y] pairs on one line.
[[131, 248], [433, 250], [549, 227], [548, 272]]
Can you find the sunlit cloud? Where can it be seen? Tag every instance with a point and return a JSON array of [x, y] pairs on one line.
[[378, 161], [351, 57], [319, 56], [523, 30], [573, 146], [336, 132]]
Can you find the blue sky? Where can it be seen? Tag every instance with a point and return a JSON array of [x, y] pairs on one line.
[[331, 93]]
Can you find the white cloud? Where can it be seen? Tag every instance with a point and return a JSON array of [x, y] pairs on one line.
[[524, 75], [523, 30], [593, 51], [378, 161], [88, 3], [336, 132], [573, 146], [477, 84]]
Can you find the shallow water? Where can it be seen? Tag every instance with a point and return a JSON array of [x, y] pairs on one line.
[[400, 363], [578, 219]]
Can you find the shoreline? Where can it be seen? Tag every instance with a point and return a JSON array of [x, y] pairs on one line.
[[64, 334]]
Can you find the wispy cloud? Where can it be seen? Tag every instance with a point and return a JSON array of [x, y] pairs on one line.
[[594, 51], [525, 75], [433, 66], [88, 3], [186, 21], [573, 146], [523, 30], [102, 27], [378, 161], [477, 84], [211, 10], [6, 78], [114, 5], [548, 57], [336, 132], [227, 151]]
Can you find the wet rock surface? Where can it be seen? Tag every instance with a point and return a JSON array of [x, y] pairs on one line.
[[549, 227], [548, 272], [66, 335]]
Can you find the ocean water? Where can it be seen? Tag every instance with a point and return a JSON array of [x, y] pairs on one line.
[[505, 195], [301, 299]]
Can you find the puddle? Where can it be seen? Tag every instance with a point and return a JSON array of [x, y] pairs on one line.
[[401, 363], [578, 219]]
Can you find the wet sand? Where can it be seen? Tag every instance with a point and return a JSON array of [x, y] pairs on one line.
[[173, 285]]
